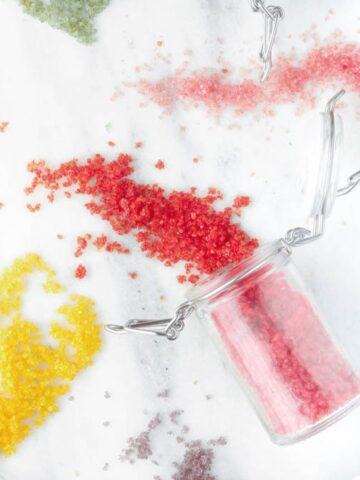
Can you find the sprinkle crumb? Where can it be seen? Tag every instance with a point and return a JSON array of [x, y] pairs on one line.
[[159, 43], [1, 205], [80, 272], [33, 208], [160, 165], [164, 393], [133, 275], [106, 467], [238, 203], [193, 278], [3, 126], [111, 143], [107, 394], [138, 144], [59, 236], [181, 278], [195, 160]]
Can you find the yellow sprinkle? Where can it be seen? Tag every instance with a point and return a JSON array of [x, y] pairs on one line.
[[33, 374]]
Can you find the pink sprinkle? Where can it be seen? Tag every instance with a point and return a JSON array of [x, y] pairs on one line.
[[335, 63]]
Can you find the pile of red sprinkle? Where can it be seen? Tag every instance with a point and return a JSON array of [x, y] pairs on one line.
[[178, 226]]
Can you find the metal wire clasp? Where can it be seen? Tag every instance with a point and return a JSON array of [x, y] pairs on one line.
[[167, 327], [272, 16], [301, 236]]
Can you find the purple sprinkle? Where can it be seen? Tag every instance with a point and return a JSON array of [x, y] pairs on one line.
[[174, 416], [140, 447], [196, 464], [164, 394], [220, 442]]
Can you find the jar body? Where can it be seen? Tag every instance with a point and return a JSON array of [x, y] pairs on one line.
[[277, 343]]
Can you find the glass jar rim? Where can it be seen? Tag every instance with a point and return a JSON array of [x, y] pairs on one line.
[[272, 255]]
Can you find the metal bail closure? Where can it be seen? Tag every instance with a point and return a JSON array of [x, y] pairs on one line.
[[167, 327], [213, 286], [272, 17], [327, 181]]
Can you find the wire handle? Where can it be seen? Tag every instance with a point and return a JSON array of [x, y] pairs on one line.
[[301, 236], [272, 16], [167, 327]]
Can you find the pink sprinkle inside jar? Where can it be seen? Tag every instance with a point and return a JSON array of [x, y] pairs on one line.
[[277, 343]]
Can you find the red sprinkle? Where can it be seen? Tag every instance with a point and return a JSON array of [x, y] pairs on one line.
[[101, 242], [239, 203], [173, 227], [80, 272], [111, 143], [133, 275], [160, 165], [82, 243], [335, 63]]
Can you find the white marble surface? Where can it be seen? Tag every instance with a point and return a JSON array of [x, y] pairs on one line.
[[56, 94]]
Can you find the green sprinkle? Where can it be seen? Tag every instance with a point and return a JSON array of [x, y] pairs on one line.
[[73, 16]]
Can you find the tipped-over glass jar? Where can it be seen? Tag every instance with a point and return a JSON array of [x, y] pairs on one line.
[[269, 327], [278, 345]]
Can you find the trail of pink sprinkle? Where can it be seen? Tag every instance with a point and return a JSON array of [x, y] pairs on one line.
[[336, 63]]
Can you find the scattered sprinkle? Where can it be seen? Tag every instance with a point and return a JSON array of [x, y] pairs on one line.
[[3, 126], [164, 393], [33, 208], [160, 165], [140, 447], [133, 275], [80, 272]]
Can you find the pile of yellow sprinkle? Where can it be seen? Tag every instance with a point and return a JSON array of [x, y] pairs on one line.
[[33, 374]]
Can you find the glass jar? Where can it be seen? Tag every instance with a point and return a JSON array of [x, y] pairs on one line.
[[268, 326], [277, 343]]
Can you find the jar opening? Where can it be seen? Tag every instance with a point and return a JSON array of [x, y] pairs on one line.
[[261, 263]]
